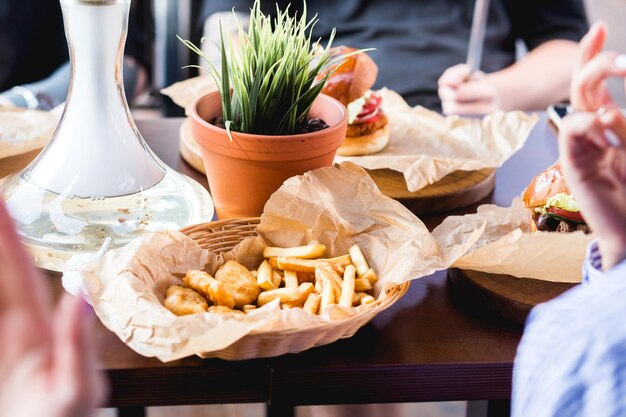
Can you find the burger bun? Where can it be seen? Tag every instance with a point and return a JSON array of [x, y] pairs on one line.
[[365, 144], [548, 183]]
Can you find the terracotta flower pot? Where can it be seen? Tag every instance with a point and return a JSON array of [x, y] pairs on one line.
[[244, 172]]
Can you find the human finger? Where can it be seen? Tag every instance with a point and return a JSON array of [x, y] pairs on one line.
[[581, 138], [588, 89], [591, 44], [615, 122], [472, 91], [454, 76], [20, 283]]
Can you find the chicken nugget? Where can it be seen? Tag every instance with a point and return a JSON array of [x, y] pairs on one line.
[[223, 310], [183, 301], [219, 293], [245, 289]]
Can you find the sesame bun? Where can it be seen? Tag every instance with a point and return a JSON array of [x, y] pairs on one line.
[[365, 144]]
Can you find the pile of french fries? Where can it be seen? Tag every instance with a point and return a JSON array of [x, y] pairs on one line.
[[298, 277]]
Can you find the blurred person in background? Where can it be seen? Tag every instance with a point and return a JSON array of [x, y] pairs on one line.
[[47, 358], [419, 45], [34, 60], [572, 358]]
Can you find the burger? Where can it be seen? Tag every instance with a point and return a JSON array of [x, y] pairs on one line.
[[350, 83], [553, 209]]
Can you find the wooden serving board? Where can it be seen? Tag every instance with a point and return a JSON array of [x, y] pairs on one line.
[[13, 164], [459, 189], [505, 296]]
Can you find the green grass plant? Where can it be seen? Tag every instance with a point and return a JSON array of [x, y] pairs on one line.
[[270, 81]]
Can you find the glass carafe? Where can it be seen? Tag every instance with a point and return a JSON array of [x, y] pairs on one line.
[[97, 178]]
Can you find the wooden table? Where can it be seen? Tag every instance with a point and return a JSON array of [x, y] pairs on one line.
[[424, 348]]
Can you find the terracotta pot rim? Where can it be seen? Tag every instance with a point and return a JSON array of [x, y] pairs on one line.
[[255, 137]]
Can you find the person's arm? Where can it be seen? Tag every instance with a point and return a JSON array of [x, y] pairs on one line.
[[537, 80], [550, 29]]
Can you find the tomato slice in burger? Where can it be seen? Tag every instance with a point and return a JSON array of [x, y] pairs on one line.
[[369, 118], [573, 216], [371, 105]]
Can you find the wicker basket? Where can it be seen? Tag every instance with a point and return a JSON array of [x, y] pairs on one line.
[[222, 236]]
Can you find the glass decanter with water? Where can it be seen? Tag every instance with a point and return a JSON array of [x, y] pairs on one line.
[[97, 178]]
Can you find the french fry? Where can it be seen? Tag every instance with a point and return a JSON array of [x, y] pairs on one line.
[[326, 271], [367, 299], [360, 296], [285, 295], [356, 298], [253, 273], [328, 294], [273, 263], [296, 264], [306, 288], [305, 277], [318, 286], [362, 284], [291, 279], [265, 277], [276, 279], [358, 259], [303, 252], [308, 265], [347, 289], [248, 308], [312, 304], [370, 275], [338, 263], [343, 260]]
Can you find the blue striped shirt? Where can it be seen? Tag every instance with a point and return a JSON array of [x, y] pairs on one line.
[[572, 358]]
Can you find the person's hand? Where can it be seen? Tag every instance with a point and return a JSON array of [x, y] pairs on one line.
[[593, 158], [46, 357], [589, 91], [464, 93]]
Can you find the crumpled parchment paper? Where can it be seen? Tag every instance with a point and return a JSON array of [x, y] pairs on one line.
[[337, 206], [508, 247]]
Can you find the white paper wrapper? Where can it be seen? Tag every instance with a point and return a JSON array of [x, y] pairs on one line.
[[337, 206], [22, 131], [507, 246], [425, 146]]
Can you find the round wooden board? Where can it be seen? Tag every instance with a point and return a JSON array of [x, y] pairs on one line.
[[456, 190], [459, 189], [13, 164], [505, 296]]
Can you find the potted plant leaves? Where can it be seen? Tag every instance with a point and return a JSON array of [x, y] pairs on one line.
[[268, 121]]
